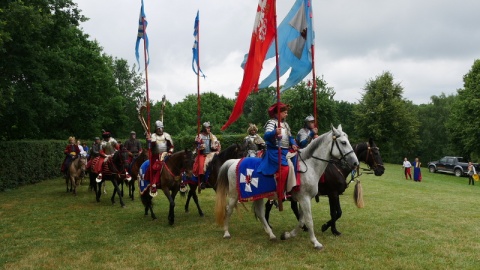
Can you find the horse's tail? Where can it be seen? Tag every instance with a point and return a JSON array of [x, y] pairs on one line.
[[222, 191], [358, 195]]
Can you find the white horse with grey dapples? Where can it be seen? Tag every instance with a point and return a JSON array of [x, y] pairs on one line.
[[313, 161]]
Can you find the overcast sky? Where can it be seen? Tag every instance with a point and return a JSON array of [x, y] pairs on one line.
[[428, 45]]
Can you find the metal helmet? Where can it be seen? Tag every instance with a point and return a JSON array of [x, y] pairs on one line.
[[309, 118], [207, 124], [158, 124]]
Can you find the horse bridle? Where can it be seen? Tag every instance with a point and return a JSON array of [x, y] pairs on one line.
[[370, 153], [335, 142]]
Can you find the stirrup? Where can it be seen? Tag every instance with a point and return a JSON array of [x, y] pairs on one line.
[[99, 178], [128, 177], [154, 193]]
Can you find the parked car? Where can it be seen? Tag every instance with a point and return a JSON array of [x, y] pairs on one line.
[[449, 164]]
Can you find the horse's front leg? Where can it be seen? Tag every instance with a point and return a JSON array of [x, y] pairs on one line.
[[131, 189], [116, 190], [305, 219], [74, 185], [335, 214], [171, 200], [195, 199], [98, 190], [190, 194], [260, 213]]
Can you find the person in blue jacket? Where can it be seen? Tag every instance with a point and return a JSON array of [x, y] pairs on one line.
[[277, 135]]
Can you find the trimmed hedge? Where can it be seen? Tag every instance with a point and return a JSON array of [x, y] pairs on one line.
[[30, 162]]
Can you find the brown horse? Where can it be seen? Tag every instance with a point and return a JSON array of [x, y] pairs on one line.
[[170, 177], [114, 169], [232, 152], [76, 172], [134, 172]]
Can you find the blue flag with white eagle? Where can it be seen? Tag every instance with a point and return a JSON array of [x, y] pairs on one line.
[[295, 39], [142, 33], [195, 60]]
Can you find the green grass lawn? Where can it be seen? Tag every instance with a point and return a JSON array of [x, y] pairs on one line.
[[434, 224]]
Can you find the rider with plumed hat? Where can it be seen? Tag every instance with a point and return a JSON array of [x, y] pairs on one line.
[[277, 135], [107, 148], [307, 133], [207, 146], [254, 141]]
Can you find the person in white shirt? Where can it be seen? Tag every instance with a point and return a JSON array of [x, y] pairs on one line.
[[407, 166]]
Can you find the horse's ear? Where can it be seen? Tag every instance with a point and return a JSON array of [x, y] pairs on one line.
[[340, 128], [370, 141]]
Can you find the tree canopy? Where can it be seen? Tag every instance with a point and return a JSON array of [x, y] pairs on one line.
[[55, 82]]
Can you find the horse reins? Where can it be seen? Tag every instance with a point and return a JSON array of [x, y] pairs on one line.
[[370, 153], [331, 150]]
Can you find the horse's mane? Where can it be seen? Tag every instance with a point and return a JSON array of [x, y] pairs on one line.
[[309, 150], [227, 151]]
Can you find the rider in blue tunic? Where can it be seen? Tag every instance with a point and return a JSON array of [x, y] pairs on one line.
[[276, 136]]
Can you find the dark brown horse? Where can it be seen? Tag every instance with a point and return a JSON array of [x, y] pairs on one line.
[[171, 173], [76, 172], [334, 182], [233, 151], [114, 170], [134, 172]]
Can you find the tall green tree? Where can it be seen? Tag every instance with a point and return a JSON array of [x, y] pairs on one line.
[[384, 115], [463, 124], [433, 118]]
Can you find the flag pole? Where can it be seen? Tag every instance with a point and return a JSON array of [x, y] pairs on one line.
[[277, 69], [198, 79], [148, 96], [314, 87]]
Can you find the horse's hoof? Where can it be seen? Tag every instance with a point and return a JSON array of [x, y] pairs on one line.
[[324, 227], [336, 233], [227, 236], [202, 215], [124, 206], [274, 238], [283, 236], [319, 248]]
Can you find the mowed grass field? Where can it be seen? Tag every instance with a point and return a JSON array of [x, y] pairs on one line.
[[434, 224]]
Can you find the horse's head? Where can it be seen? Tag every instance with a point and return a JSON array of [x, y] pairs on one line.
[[341, 148], [369, 153], [83, 162], [188, 161], [180, 162], [120, 159]]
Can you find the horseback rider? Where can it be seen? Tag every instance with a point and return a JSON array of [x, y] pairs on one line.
[[207, 146], [71, 152], [133, 146], [278, 135], [95, 149], [107, 148], [161, 144], [307, 133], [304, 137], [254, 141]]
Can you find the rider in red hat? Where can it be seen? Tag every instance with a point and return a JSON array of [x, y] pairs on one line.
[[277, 135]]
